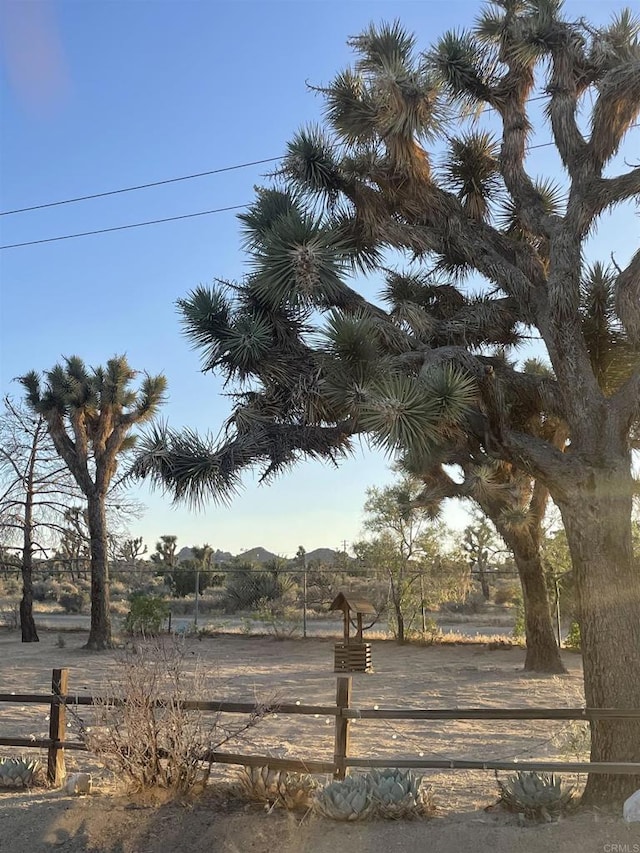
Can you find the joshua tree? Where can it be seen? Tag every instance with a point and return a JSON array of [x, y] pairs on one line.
[[411, 378], [89, 415]]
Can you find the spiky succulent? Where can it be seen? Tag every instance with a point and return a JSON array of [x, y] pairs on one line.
[[278, 787], [537, 795], [349, 799], [399, 794], [17, 772], [389, 794]]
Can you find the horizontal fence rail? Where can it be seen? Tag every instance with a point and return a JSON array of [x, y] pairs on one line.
[[344, 713]]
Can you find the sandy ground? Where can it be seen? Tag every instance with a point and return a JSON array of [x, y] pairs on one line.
[[246, 668]]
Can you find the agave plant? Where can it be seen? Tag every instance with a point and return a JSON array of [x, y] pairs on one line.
[[349, 799], [280, 787], [535, 794], [399, 794], [17, 772]]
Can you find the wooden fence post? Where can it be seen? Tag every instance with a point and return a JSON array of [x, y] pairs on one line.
[[57, 728], [341, 750]]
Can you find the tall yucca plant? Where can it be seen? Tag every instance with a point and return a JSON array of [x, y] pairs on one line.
[[89, 415], [523, 237]]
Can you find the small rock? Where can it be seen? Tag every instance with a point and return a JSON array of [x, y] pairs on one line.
[[78, 783]]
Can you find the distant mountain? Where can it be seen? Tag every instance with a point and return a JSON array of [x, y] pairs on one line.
[[325, 556], [185, 554], [257, 555], [222, 556]]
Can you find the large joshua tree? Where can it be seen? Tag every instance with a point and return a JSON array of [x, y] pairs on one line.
[[412, 378], [89, 415]]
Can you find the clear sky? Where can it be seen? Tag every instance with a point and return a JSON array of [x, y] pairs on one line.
[[101, 95]]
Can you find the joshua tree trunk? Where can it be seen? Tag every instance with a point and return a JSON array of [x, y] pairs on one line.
[[543, 654], [484, 583], [100, 632], [597, 519]]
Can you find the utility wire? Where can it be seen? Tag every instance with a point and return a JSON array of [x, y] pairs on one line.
[[182, 177], [125, 227], [140, 186], [175, 218]]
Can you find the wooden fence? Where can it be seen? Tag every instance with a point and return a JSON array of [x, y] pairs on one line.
[[343, 711]]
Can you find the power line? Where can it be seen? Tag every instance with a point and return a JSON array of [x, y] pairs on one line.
[[140, 186], [125, 227], [184, 177], [175, 218]]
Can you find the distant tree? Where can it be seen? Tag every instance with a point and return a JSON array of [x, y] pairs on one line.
[[89, 415], [404, 547], [480, 543], [74, 547], [36, 489], [129, 554], [132, 550], [165, 556]]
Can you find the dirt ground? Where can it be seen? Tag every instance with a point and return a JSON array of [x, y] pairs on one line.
[[250, 668]]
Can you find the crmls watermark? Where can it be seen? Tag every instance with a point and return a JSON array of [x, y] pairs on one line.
[[621, 847]]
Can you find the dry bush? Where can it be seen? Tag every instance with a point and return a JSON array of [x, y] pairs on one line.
[[146, 736]]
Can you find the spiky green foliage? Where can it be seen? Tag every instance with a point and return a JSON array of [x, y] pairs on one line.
[[349, 800], [293, 791], [613, 356], [399, 794], [390, 794], [472, 170], [17, 772], [537, 795]]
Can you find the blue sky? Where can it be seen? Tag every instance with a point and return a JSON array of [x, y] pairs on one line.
[[101, 95]]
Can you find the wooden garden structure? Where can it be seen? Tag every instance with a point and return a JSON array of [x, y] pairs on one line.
[[352, 654]]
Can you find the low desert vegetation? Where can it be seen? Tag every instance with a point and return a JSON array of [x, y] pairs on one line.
[[145, 735]]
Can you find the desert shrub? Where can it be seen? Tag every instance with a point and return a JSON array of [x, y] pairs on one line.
[[283, 622], [10, 615], [73, 602], [47, 590], [149, 740], [183, 579], [10, 586], [118, 590], [474, 603], [146, 615], [574, 640], [508, 594], [518, 625], [245, 588], [574, 741]]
